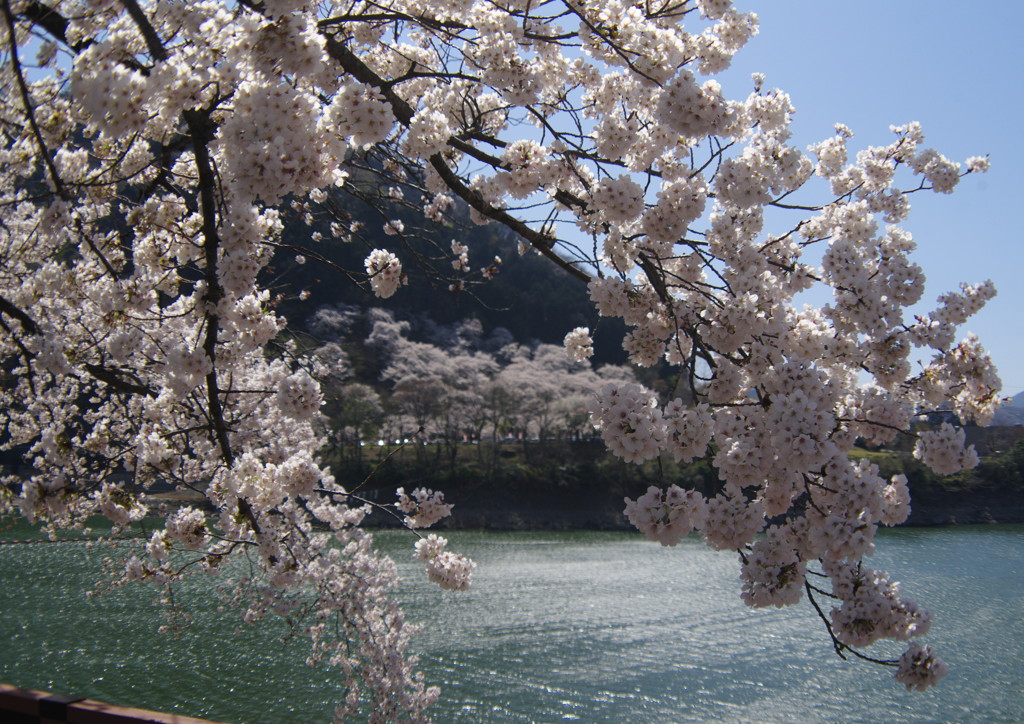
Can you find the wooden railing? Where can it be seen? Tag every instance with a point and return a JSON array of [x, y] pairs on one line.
[[25, 706]]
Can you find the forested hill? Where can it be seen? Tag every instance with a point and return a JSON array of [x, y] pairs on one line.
[[1011, 413], [531, 297]]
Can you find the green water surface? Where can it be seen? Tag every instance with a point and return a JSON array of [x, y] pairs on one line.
[[581, 626]]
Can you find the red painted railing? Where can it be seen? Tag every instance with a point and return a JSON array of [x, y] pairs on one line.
[[25, 706]]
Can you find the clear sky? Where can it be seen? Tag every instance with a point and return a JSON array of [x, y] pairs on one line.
[[959, 71]]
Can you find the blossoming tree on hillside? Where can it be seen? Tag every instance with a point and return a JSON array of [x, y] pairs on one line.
[[152, 153]]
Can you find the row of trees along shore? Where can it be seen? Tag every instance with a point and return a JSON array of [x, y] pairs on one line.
[[158, 157], [477, 414]]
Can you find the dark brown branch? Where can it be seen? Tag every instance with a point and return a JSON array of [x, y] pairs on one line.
[[361, 72], [838, 645], [655, 277], [24, 353], [403, 113], [114, 379], [201, 130], [542, 243], [431, 23], [27, 323], [149, 34], [26, 101], [52, 22]]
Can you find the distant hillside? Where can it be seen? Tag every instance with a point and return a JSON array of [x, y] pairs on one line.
[[528, 295], [1011, 413]]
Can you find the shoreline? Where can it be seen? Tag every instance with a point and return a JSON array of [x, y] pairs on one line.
[[937, 509]]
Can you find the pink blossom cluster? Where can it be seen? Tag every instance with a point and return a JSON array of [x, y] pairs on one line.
[[772, 572], [385, 272], [187, 526], [668, 515], [630, 421], [359, 114], [424, 508], [688, 430], [451, 571], [461, 254], [299, 396], [871, 606], [578, 344], [118, 505], [896, 503], [619, 199], [919, 668], [943, 450]]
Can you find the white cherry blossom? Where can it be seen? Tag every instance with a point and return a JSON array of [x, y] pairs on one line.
[[152, 162]]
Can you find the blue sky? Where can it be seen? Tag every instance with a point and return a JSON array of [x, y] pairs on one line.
[[872, 64]]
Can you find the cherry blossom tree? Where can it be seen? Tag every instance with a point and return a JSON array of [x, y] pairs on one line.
[[153, 153]]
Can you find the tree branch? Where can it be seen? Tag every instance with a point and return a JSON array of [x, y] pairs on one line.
[[27, 323], [119, 383], [26, 101]]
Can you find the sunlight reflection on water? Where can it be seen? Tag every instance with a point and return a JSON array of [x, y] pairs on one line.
[[593, 627]]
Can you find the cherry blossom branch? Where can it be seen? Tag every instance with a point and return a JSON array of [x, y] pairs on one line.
[[26, 102], [539, 241], [840, 648]]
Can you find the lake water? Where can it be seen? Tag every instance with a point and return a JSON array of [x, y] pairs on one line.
[[582, 626]]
